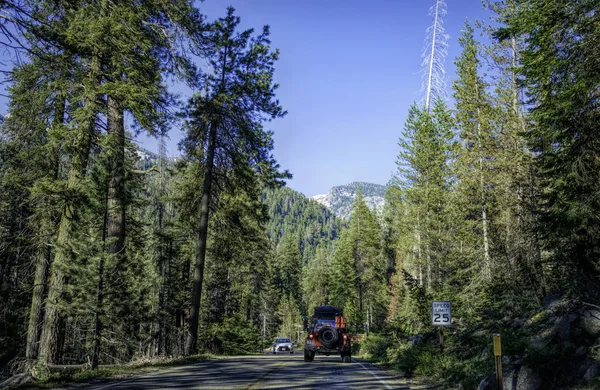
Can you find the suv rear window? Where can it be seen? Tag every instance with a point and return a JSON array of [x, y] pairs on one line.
[[321, 323]]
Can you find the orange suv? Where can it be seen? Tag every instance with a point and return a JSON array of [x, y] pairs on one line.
[[327, 334]]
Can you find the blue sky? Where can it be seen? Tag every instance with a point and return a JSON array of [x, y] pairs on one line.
[[348, 73]]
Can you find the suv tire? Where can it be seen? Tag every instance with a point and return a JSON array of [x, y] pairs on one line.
[[308, 355], [329, 336]]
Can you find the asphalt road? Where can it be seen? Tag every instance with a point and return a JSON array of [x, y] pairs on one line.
[[282, 371]]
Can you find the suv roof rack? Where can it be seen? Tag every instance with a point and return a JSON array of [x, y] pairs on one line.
[[327, 311]]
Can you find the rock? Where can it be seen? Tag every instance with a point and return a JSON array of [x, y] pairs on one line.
[[549, 300], [592, 372], [559, 306], [590, 322], [528, 379], [485, 352], [522, 378], [541, 340], [565, 326], [414, 340], [17, 380], [517, 323], [518, 361], [488, 383], [581, 351]]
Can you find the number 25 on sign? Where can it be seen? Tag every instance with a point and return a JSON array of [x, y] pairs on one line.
[[441, 313]]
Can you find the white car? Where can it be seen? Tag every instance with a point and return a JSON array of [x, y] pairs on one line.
[[283, 345]]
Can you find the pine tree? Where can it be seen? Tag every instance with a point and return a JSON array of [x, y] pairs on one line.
[[316, 278], [30, 164], [562, 81], [289, 268], [517, 231], [344, 280], [224, 127], [370, 265], [475, 163], [290, 317], [425, 181]]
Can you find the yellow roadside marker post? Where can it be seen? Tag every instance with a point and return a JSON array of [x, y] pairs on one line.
[[498, 357]]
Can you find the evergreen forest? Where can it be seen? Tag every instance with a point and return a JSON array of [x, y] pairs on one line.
[[106, 259]]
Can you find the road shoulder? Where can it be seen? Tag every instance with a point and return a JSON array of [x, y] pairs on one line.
[[389, 374]]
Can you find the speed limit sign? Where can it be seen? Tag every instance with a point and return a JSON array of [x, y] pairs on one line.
[[441, 313]]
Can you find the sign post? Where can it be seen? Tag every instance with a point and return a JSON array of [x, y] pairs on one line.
[[498, 357], [441, 315]]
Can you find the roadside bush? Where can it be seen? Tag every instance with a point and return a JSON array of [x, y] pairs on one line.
[[375, 347], [234, 336], [449, 367]]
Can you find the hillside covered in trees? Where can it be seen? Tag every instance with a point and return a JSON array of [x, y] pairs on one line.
[[108, 256], [291, 213]]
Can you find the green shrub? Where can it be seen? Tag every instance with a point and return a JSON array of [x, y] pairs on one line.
[[375, 347], [234, 336]]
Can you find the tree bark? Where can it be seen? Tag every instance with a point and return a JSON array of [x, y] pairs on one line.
[[487, 261], [115, 213], [98, 316], [116, 208], [36, 314]]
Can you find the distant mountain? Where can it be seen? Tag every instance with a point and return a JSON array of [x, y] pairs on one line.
[[340, 198], [293, 213], [148, 159]]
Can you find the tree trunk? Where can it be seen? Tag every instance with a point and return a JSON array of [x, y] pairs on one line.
[[98, 315], [536, 242], [360, 298], [36, 314], [100, 295], [487, 262], [115, 213], [162, 327], [419, 252], [536, 239], [116, 206], [487, 270], [191, 345], [429, 276], [432, 57]]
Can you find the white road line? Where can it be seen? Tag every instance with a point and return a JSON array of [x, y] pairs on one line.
[[374, 375]]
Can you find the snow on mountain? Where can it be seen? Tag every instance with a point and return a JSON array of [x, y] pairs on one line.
[[340, 198]]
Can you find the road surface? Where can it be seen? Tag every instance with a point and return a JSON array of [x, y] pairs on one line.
[[282, 371]]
